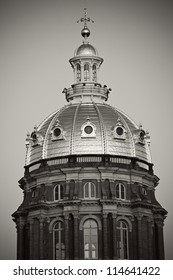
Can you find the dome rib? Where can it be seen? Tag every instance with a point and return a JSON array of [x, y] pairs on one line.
[[44, 151], [103, 130], [72, 132], [131, 138]]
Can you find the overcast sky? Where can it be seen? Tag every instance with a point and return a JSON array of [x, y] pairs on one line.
[[38, 37]]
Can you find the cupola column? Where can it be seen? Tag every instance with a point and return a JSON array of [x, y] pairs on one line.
[[91, 72], [82, 72]]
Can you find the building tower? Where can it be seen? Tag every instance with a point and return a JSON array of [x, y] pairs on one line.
[[89, 185]]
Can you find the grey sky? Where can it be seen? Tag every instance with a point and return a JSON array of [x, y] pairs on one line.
[[38, 37]]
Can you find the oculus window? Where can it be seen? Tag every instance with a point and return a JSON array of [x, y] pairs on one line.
[[88, 130]]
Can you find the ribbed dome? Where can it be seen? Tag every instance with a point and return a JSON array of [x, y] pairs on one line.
[[86, 50], [87, 128]]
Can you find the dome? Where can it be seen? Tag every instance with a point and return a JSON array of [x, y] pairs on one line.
[[87, 128], [86, 50]]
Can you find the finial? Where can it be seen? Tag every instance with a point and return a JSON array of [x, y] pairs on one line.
[[85, 31], [85, 19]]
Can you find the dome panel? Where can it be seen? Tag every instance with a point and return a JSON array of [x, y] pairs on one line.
[[71, 120], [86, 50]]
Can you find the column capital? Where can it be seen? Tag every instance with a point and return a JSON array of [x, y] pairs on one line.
[[66, 216], [76, 215], [30, 221], [139, 217], [105, 215], [41, 219], [114, 215]]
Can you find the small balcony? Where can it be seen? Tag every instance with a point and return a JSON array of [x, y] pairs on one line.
[[86, 90]]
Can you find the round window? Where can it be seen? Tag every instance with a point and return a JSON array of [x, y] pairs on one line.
[[57, 132], [119, 131], [88, 129]]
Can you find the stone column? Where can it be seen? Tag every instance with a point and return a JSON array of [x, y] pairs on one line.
[[112, 189], [31, 238], [80, 189], [103, 189], [41, 238], [66, 221], [75, 195], [90, 73], [76, 236], [67, 189], [139, 219], [160, 242], [150, 239], [114, 216], [105, 236], [20, 240]]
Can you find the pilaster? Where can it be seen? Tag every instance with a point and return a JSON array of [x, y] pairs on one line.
[[76, 236], [105, 236]]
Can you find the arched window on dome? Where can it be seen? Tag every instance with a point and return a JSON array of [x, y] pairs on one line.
[[58, 192], [58, 242], [94, 68], [78, 73], [122, 240], [90, 235], [86, 72], [120, 190], [89, 190]]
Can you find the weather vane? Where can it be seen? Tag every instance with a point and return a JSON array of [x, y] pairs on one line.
[[85, 19]]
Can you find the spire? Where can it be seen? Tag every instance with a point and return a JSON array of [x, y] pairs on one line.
[[85, 32]]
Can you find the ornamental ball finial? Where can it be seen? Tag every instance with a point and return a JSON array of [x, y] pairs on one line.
[[85, 32]]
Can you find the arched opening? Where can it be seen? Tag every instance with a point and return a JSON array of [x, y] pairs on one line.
[[78, 73], [90, 234], [58, 192], [94, 69], [58, 242], [86, 72], [120, 191], [122, 240], [89, 190]]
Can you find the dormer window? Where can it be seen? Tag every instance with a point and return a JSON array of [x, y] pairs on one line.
[[119, 131], [139, 136], [88, 130], [86, 72], [57, 132], [36, 138]]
